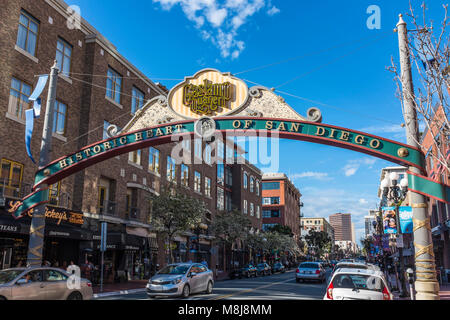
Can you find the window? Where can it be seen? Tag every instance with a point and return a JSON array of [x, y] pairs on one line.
[[208, 154], [228, 201], [171, 169], [275, 213], [258, 212], [59, 118], [220, 174], [135, 157], [245, 180], [266, 201], [102, 198], [53, 195], [252, 184], [197, 181], [11, 177], [245, 207], [220, 199], [252, 209], [53, 275], [137, 100], [63, 56], [275, 200], [18, 98], [113, 85], [28, 33], [257, 187], [153, 160], [271, 186], [228, 177], [220, 150], [198, 148], [266, 213], [267, 226], [184, 175], [207, 187]]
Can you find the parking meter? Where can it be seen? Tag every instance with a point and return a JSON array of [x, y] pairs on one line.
[[410, 275]]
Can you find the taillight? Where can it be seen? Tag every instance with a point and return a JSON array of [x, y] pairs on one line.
[[298, 270], [317, 271], [386, 295], [330, 291], [89, 284]]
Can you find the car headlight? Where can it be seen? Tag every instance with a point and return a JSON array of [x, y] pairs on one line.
[[176, 281]]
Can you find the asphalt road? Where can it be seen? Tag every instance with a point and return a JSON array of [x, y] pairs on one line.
[[275, 287]]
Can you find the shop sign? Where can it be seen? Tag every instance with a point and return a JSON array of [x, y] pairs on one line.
[[132, 248], [9, 228], [53, 213], [389, 220]]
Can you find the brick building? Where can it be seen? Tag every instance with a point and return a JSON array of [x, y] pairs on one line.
[[97, 87], [281, 203], [317, 224], [433, 143]]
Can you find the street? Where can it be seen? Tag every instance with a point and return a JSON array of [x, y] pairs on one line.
[[275, 287]]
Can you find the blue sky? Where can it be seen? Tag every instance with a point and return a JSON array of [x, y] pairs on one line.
[[343, 69]]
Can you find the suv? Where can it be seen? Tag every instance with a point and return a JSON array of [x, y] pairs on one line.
[[358, 284]]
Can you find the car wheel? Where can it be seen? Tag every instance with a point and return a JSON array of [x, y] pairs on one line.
[[209, 287], [75, 296], [186, 291]]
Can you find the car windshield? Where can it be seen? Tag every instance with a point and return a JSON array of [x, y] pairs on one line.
[[248, 266], [308, 266], [261, 265], [9, 275], [358, 281], [175, 269]]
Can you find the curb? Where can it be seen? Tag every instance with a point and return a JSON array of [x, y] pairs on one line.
[[117, 293]]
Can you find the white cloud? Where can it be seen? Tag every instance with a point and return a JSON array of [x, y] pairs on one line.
[[353, 166], [363, 201], [220, 20], [273, 11], [309, 174]]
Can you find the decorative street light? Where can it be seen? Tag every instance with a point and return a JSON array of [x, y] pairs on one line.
[[396, 193]]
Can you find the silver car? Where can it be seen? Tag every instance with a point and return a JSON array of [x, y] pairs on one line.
[[42, 283], [310, 271], [181, 279]]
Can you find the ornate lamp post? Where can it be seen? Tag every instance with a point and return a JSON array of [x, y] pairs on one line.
[[396, 194]]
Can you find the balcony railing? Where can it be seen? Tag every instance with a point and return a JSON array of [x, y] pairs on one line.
[[108, 208]]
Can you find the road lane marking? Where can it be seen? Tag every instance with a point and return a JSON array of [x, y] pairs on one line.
[[250, 290]]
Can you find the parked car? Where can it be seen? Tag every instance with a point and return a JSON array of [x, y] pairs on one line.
[[181, 279], [42, 283], [264, 269], [279, 267], [248, 271], [310, 271], [358, 284]]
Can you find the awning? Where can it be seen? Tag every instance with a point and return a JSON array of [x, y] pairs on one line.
[[138, 231]]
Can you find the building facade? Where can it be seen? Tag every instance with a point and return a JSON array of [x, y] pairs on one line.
[[369, 220], [281, 203], [342, 225], [317, 224], [435, 144], [97, 87]]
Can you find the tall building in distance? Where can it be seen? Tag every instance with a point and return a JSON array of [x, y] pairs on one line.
[[281, 202], [317, 224], [342, 225]]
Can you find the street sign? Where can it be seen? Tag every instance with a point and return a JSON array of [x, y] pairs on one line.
[[103, 236]]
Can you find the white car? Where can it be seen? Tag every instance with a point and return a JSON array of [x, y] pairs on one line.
[[355, 265], [358, 284]]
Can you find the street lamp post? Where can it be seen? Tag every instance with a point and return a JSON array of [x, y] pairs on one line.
[[396, 193]]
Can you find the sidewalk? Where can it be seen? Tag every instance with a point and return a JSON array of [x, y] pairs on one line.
[[444, 290], [110, 289]]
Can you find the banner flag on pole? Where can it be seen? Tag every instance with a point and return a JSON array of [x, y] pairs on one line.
[[33, 113]]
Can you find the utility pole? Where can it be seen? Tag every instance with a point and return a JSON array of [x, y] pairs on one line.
[[426, 283], [37, 228]]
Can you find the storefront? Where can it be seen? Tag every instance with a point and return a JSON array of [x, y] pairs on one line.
[[65, 236]]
